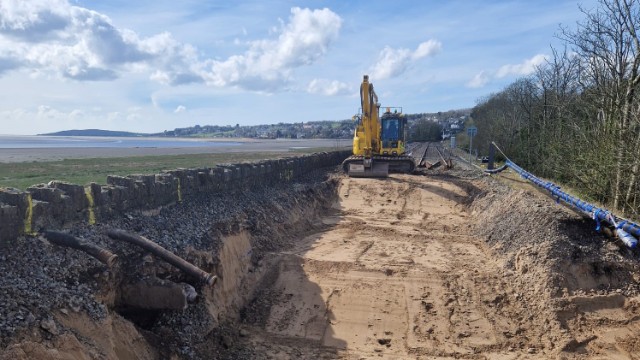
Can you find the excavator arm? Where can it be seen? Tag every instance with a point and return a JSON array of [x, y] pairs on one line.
[[370, 117]]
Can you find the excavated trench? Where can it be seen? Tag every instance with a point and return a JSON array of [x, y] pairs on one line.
[[447, 265]]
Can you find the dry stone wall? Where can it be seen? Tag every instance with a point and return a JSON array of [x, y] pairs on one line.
[[58, 204]]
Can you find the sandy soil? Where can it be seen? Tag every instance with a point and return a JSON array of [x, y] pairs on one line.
[[400, 274], [248, 145]]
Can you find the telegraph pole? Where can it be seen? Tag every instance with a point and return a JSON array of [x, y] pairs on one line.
[[471, 132]]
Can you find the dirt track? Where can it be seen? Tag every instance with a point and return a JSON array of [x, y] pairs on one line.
[[399, 274]]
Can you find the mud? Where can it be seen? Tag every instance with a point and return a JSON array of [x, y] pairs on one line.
[[443, 265]]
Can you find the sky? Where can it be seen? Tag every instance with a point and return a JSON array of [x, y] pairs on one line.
[[154, 65]]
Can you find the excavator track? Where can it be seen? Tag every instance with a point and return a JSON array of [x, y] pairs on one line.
[[396, 164]]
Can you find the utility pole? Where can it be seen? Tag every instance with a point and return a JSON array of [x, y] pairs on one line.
[[471, 131]]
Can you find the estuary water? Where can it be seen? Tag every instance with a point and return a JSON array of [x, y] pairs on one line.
[[41, 142]]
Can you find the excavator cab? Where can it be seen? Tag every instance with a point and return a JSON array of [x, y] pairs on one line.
[[392, 135]]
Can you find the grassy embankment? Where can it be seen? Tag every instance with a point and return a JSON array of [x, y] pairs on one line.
[[84, 171]]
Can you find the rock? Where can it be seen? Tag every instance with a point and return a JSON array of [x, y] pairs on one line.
[[50, 326], [30, 319], [190, 292], [227, 341]]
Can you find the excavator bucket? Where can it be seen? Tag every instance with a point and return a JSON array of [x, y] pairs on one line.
[[377, 170]]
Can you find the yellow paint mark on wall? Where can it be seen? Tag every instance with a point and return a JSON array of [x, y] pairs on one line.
[[92, 212], [28, 219], [179, 191]]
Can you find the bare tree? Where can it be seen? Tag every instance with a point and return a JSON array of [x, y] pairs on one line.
[[607, 42]]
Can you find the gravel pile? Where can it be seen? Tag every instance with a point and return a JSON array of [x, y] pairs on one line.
[[39, 279], [555, 238]]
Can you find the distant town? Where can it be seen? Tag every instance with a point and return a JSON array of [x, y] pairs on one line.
[[421, 127]]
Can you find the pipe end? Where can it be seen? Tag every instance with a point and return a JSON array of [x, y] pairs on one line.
[[112, 260], [210, 279]]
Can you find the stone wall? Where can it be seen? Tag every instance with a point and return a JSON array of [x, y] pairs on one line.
[[58, 204]]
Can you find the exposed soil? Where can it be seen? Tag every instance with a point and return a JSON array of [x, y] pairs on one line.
[[444, 267], [448, 265]]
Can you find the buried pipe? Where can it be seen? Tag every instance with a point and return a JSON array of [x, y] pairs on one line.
[[63, 239], [164, 254], [624, 229]]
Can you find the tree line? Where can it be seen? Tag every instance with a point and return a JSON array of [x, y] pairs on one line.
[[576, 119]]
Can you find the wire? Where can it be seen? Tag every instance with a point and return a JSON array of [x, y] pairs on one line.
[[501, 152]]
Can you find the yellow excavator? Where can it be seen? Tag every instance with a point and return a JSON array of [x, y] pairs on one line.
[[379, 141]]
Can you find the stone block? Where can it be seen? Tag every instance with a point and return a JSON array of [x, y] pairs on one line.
[[154, 294], [122, 181], [11, 224], [43, 192], [77, 197], [14, 197]]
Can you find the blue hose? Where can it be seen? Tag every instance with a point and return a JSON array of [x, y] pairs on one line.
[[625, 229]]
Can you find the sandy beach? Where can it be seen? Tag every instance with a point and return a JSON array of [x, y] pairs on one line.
[[247, 146]]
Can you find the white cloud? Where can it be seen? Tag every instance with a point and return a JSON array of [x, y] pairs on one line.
[[427, 48], [328, 87], [56, 38], [525, 68], [180, 109], [267, 65], [33, 21], [480, 80], [393, 62]]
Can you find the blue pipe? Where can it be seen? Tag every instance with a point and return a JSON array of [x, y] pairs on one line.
[[625, 229]]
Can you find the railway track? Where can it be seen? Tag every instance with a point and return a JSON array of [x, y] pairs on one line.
[[431, 155]]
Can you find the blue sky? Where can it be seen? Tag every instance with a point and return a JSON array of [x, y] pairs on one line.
[[149, 66]]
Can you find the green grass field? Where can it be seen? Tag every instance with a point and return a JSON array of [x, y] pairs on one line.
[[84, 171]]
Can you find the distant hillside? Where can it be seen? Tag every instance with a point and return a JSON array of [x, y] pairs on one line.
[[93, 132]]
